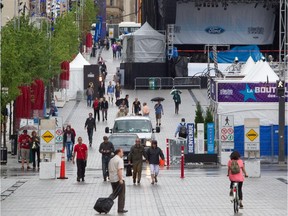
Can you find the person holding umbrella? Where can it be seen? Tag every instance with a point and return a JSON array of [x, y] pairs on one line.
[[158, 112], [177, 99]]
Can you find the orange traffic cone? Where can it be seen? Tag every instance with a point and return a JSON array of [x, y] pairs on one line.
[[62, 167]]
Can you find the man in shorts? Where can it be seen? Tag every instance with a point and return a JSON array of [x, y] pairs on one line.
[[24, 145]]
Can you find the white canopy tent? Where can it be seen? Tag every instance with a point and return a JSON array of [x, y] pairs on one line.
[[76, 79], [144, 45], [261, 72], [248, 66]]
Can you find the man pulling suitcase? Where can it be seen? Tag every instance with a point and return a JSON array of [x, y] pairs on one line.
[[115, 167]]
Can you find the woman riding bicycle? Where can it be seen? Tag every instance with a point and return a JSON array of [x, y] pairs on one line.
[[236, 176]]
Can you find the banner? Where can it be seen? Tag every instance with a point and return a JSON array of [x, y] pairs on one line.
[[239, 24], [190, 137], [248, 92], [210, 138]]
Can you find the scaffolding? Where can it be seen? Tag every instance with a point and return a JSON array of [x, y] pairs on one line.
[[283, 38], [170, 39]]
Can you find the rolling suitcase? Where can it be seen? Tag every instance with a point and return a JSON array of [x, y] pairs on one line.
[[105, 204]]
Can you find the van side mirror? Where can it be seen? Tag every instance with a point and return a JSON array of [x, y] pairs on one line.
[[107, 130]]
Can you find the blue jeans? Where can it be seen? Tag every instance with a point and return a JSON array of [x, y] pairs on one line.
[[90, 134], [105, 162], [89, 100], [69, 149]]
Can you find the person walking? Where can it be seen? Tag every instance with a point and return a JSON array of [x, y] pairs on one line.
[[110, 92], [136, 108], [24, 141], [119, 49], [90, 125], [104, 108], [101, 90], [118, 91], [235, 174], [177, 101], [107, 150], [158, 113], [35, 147], [126, 99], [53, 109], [89, 93], [181, 129], [116, 167], [153, 155], [81, 151], [135, 157], [96, 107], [68, 141], [114, 49], [145, 109]]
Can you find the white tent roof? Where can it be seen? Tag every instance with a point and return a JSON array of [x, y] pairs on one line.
[[78, 62], [146, 29], [248, 66], [261, 72]]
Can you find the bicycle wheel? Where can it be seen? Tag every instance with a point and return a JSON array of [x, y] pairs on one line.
[[235, 205]]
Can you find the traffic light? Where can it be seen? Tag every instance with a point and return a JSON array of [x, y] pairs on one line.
[[280, 88]]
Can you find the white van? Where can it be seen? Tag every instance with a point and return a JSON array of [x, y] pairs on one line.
[[139, 125]]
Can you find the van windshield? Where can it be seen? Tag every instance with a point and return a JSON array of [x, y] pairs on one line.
[[132, 126]]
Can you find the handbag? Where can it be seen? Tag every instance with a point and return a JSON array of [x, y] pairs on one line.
[[129, 170]]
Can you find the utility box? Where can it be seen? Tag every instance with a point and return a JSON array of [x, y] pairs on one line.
[[47, 170], [253, 168]]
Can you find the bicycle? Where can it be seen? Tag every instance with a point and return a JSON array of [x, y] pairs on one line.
[[235, 199]]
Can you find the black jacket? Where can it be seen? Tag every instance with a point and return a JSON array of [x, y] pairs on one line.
[[90, 123], [65, 137], [104, 105], [153, 155], [107, 147]]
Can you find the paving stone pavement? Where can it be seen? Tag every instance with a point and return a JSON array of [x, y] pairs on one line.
[[203, 191]]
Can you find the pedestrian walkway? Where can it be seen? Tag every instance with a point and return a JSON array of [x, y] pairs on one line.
[[203, 191]]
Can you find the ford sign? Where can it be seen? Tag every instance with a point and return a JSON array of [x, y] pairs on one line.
[[214, 30]]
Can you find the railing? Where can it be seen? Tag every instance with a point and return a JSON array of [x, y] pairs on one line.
[[167, 82]]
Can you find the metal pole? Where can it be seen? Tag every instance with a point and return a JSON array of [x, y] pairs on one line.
[[281, 130], [182, 161], [167, 153]]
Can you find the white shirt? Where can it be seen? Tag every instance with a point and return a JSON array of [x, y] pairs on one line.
[[115, 164]]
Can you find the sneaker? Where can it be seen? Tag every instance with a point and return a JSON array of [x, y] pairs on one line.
[[105, 179], [122, 211], [159, 124], [83, 179], [138, 182]]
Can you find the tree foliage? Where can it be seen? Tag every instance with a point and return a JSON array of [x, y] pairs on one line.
[[198, 115], [208, 119]]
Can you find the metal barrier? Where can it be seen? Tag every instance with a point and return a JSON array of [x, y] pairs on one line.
[[146, 82], [166, 82], [187, 82], [175, 150]]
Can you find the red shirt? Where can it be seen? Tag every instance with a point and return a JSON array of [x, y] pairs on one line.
[[24, 140], [81, 151]]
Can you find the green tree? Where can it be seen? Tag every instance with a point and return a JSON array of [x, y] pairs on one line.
[[198, 116], [89, 16]]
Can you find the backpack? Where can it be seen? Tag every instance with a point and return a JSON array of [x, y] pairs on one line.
[[235, 168], [183, 130]]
